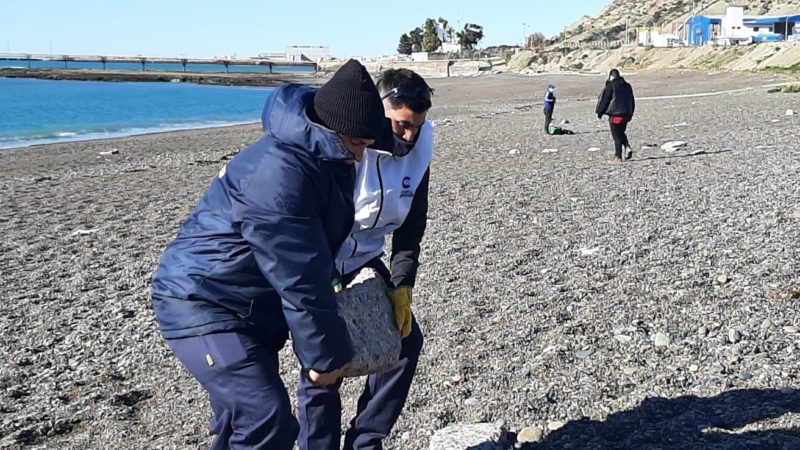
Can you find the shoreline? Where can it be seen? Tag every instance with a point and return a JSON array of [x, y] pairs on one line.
[[93, 137], [211, 78]]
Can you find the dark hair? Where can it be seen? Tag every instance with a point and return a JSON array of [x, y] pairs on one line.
[[614, 73], [404, 78]]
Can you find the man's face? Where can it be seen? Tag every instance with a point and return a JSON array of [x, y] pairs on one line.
[[405, 122], [356, 146]]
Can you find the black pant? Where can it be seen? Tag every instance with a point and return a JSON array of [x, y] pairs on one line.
[[548, 117], [620, 138]]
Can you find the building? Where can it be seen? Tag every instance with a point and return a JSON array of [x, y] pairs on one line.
[[734, 27], [273, 56], [657, 37], [308, 53]]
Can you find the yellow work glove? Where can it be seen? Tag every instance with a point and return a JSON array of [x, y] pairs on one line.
[[401, 299]]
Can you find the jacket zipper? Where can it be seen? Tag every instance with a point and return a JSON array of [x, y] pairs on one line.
[[380, 181], [377, 218]]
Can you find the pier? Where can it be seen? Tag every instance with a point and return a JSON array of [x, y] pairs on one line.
[[268, 64]]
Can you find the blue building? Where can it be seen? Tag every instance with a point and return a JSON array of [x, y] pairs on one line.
[[736, 28]]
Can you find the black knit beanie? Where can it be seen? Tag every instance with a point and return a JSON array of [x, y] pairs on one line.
[[349, 103]]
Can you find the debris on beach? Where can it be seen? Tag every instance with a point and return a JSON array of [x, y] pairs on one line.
[[790, 294], [82, 232], [661, 340], [649, 146], [593, 149], [513, 151], [672, 146], [113, 151], [589, 251], [677, 125], [789, 112], [550, 150]]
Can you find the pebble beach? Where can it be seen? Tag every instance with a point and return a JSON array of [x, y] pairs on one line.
[[571, 302]]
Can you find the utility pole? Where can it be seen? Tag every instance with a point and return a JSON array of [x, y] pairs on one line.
[[523, 35]]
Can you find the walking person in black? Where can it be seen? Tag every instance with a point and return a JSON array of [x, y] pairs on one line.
[[618, 103]]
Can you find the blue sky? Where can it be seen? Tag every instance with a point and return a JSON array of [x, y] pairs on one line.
[[246, 28]]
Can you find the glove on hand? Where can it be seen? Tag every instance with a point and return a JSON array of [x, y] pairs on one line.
[[401, 299]]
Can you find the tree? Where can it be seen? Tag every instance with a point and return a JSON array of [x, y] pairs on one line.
[[470, 36], [535, 40], [405, 47], [430, 39], [416, 39]]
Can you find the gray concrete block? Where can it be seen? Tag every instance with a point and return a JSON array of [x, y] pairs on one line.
[[366, 308]]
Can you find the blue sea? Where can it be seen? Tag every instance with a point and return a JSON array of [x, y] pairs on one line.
[[44, 111]]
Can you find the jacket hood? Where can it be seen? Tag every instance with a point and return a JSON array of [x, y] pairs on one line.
[[285, 119]]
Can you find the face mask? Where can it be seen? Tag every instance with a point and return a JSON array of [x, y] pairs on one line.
[[401, 147]]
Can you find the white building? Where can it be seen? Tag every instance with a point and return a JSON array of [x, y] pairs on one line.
[[308, 53]]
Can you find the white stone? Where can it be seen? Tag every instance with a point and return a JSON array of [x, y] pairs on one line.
[[661, 340], [530, 435], [672, 146], [479, 436]]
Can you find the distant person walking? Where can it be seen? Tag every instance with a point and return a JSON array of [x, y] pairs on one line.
[[618, 103], [549, 106]]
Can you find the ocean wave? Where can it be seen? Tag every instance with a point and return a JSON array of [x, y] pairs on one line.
[[8, 142]]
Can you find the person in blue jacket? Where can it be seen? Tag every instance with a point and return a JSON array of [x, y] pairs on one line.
[[549, 106], [255, 259]]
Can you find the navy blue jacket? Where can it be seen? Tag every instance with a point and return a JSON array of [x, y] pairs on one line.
[[257, 254]]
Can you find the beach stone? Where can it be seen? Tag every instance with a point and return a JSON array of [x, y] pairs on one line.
[[734, 336], [702, 331], [530, 435], [479, 436], [661, 340], [722, 279], [555, 425], [694, 368], [791, 329], [744, 376], [368, 313], [766, 324], [672, 146]]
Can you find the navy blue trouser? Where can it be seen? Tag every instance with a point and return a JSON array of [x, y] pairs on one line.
[[378, 409], [250, 402]]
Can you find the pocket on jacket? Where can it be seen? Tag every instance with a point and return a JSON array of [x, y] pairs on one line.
[[228, 350]]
